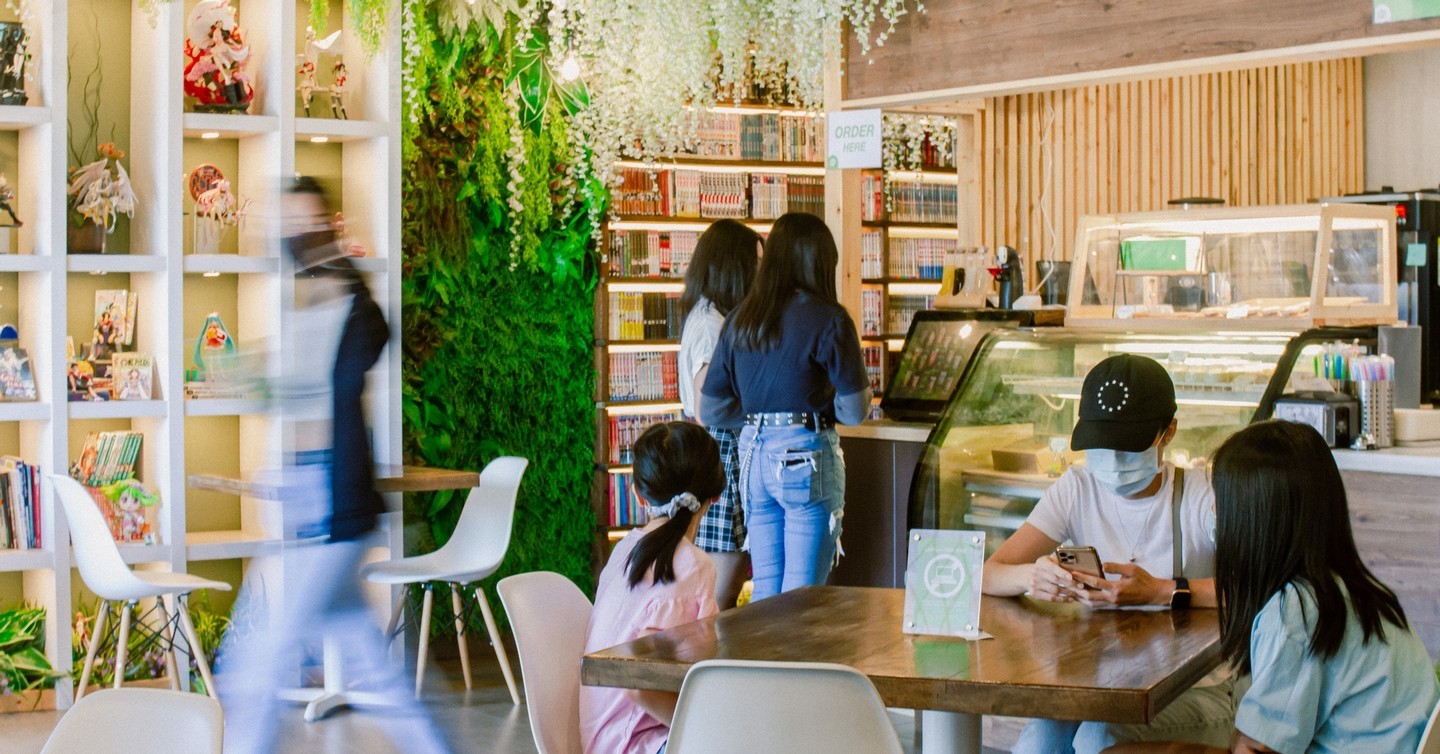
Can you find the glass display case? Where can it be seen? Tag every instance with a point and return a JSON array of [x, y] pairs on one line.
[[1288, 267], [1004, 436]]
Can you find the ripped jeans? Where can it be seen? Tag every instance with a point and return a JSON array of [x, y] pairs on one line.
[[793, 481]]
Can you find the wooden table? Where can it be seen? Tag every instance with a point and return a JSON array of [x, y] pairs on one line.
[[1059, 662], [320, 701]]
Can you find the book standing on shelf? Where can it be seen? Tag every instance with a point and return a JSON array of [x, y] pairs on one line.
[[134, 376], [651, 253], [107, 466], [625, 506], [19, 505], [625, 429], [17, 378], [644, 376]]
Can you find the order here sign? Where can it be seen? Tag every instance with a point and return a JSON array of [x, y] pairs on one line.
[[853, 139]]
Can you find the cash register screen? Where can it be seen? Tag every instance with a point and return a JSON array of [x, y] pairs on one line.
[[936, 351]]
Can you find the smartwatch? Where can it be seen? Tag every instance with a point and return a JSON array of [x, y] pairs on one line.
[[1180, 599]]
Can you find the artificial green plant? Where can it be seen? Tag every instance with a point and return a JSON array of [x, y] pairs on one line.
[[23, 666]]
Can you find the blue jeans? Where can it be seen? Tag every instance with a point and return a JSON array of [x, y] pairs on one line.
[[794, 496]]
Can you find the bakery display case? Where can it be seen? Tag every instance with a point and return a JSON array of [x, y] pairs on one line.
[[1004, 436], [1261, 268]]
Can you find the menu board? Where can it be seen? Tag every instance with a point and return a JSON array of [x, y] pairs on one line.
[[934, 357]]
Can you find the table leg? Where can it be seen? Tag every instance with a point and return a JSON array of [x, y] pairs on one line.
[[950, 732]]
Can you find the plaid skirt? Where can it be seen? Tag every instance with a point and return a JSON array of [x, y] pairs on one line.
[[723, 527]]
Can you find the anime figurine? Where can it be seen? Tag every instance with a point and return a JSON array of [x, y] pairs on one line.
[[7, 199], [130, 497], [14, 51], [307, 85], [213, 345], [103, 338], [337, 91], [310, 63], [216, 55]]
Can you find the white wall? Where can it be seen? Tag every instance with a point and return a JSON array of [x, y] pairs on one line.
[[1402, 120]]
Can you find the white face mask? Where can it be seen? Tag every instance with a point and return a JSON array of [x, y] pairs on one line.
[[1122, 472]]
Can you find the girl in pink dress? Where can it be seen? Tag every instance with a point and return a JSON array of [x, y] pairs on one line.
[[656, 579]]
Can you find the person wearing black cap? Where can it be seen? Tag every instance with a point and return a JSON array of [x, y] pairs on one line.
[[1152, 524]]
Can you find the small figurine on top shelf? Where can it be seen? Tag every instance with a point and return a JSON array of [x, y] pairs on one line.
[[310, 63], [216, 55], [14, 52], [217, 208], [7, 205], [337, 91]]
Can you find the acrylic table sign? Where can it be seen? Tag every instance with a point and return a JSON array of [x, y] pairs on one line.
[[942, 583]]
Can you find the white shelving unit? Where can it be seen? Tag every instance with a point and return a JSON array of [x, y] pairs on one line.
[[251, 287]]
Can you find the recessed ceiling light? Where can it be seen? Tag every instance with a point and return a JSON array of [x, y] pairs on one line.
[[319, 139], [210, 135]]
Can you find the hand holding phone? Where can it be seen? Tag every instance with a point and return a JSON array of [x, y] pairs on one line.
[[1080, 560]]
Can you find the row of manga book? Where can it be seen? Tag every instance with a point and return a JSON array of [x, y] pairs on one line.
[[644, 316], [19, 505], [753, 137], [684, 193], [625, 506], [651, 376], [651, 253], [882, 199], [625, 429], [920, 258]]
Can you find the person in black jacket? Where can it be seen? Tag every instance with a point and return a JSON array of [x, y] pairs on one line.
[[337, 333]]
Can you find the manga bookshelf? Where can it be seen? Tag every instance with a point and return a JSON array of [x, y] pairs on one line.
[[140, 105], [750, 163]]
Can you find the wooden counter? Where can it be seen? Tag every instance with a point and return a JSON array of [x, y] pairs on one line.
[[880, 460]]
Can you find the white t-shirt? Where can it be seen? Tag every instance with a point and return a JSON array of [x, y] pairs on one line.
[[1078, 510], [697, 345]]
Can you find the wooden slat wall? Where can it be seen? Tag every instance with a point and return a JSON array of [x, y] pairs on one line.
[[1276, 135]]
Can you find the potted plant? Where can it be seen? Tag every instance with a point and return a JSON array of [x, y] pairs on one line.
[[24, 671], [99, 192]]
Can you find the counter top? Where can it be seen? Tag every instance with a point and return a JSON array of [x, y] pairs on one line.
[[1401, 461], [887, 429]]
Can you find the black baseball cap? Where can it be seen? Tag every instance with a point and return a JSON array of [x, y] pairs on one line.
[[1126, 401]]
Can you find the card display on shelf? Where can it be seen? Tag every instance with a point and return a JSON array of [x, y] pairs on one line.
[[625, 429], [651, 253], [874, 365], [114, 323], [644, 376], [625, 506], [644, 316], [17, 376], [133, 376], [20, 521], [919, 258]]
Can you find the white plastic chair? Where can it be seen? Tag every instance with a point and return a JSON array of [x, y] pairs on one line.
[[474, 551], [797, 708], [110, 723], [1430, 739], [550, 617], [105, 573]]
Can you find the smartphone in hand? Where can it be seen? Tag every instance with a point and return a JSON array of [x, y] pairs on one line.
[[1080, 560]]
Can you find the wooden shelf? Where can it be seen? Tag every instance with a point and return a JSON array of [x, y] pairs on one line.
[[21, 117], [680, 162], [661, 402], [653, 342], [23, 411], [25, 263], [26, 560], [886, 224], [888, 281], [226, 406], [229, 126], [661, 221], [107, 263], [227, 545], [335, 130], [116, 409], [230, 264], [642, 280]]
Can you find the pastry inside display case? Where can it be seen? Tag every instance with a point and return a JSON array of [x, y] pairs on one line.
[[1005, 436], [1255, 267]]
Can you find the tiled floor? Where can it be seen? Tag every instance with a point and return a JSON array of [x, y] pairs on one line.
[[482, 720]]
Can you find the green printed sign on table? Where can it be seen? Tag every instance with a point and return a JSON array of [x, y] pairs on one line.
[[942, 583], [1387, 11]]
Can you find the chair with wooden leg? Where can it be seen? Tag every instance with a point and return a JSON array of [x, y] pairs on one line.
[[473, 552], [105, 573]]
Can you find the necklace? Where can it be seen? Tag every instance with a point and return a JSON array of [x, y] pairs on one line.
[[1135, 540]]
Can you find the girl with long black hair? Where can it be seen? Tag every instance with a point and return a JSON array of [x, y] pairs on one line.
[[787, 368], [655, 579], [720, 274], [1334, 665]]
